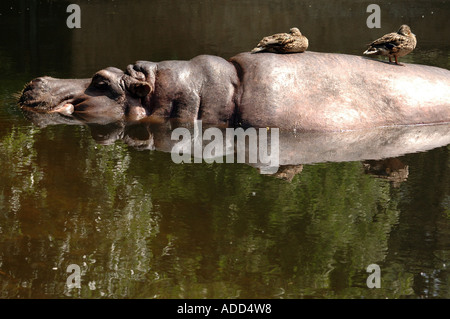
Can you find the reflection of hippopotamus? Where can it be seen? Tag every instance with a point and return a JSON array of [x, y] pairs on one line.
[[295, 148], [307, 91]]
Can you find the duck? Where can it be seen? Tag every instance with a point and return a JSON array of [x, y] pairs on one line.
[[292, 42], [394, 45]]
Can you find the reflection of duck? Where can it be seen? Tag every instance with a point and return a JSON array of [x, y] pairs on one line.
[[395, 44], [291, 42], [392, 169], [288, 172]]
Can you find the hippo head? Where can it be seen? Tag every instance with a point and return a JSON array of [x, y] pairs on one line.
[[110, 94]]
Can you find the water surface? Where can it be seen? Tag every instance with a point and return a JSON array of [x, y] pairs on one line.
[[140, 226]]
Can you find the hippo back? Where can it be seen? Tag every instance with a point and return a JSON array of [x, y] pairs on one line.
[[328, 92]]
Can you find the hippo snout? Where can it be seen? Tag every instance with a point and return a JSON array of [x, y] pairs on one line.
[[47, 94], [40, 82], [34, 87], [36, 93]]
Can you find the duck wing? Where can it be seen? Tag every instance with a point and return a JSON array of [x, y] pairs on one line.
[[390, 41], [278, 39]]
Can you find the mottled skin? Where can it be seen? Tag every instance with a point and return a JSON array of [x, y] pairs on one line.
[[306, 92]]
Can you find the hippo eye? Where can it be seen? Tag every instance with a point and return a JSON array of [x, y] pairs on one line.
[[101, 85], [100, 82]]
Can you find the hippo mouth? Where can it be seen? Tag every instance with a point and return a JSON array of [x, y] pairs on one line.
[[66, 106], [70, 107], [43, 96]]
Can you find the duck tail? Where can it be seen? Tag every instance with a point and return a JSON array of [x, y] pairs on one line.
[[371, 51], [257, 49]]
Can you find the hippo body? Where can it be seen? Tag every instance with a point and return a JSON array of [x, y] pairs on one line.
[[328, 92], [306, 92], [202, 88]]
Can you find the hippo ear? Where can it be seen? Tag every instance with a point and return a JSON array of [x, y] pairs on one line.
[[140, 88]]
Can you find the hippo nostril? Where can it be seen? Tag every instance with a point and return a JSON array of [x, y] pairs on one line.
[[39, 85], [34, 92], [39, 82]]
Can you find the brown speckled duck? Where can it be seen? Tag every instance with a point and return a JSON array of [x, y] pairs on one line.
[[395, 44], [291, 42]]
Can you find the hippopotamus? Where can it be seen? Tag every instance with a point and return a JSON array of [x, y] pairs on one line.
[[308, 91]]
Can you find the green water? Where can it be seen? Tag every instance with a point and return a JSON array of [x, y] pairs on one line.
[[140, 226]]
